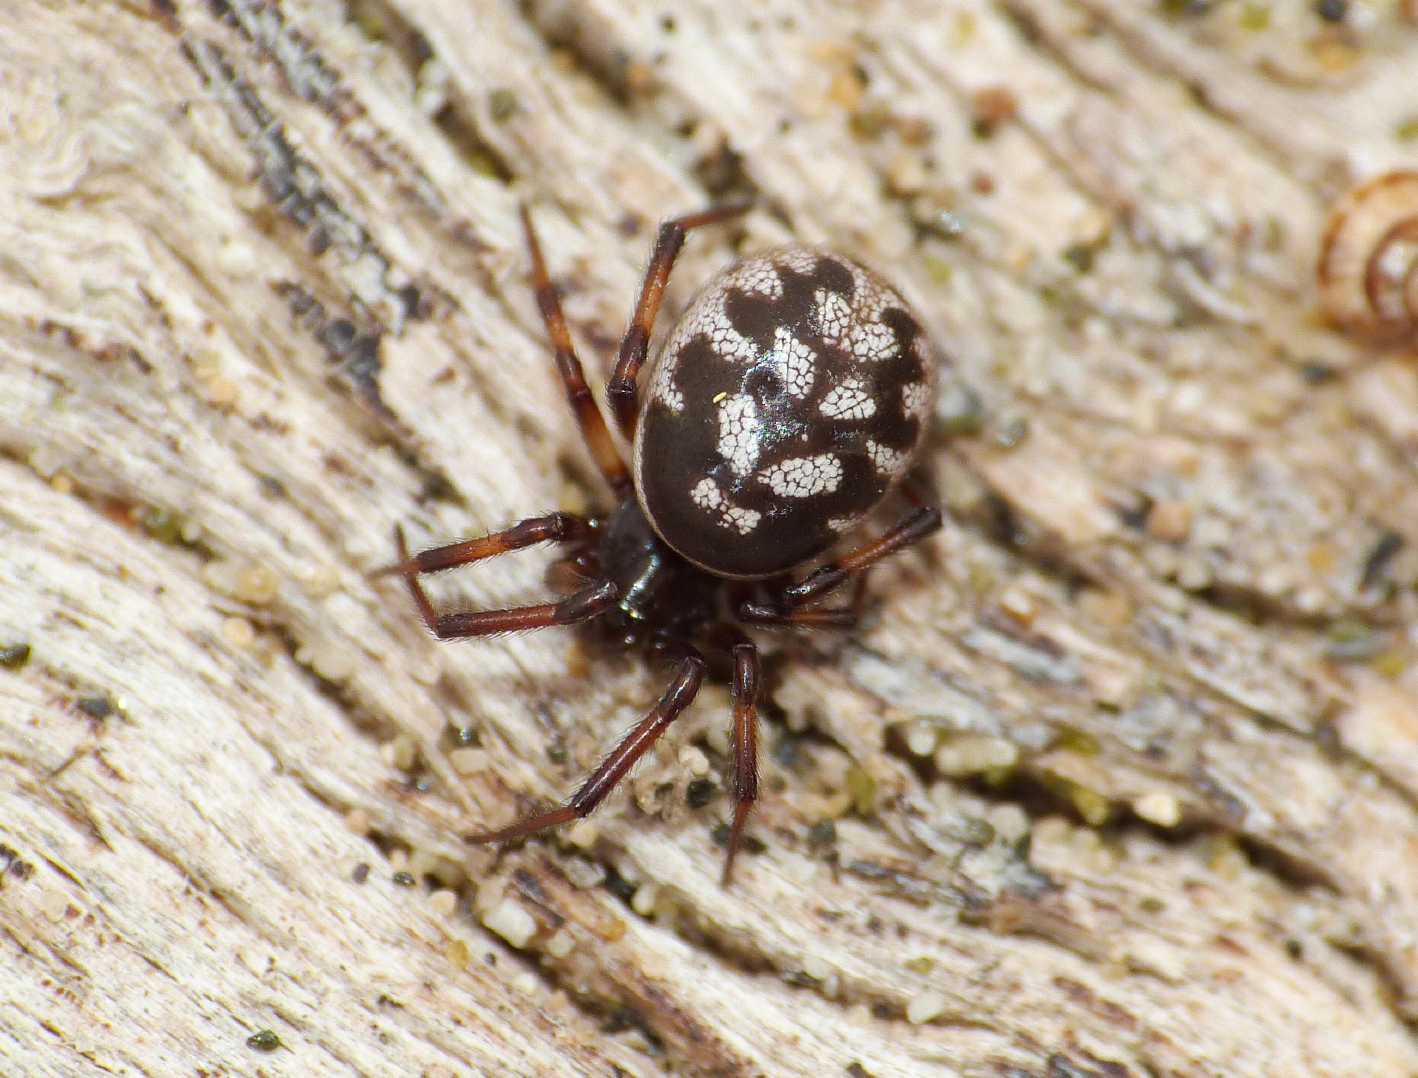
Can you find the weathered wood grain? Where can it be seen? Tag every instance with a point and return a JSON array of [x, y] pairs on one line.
[[1121, 771]]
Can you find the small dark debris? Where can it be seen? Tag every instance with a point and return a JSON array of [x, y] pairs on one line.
[[361, 872], [438, 488], [530, 887], [412, 301], [1294, 948], [404, 879], [618, 885], [14, 656], [337, 335], [1377, 561], [1135, 516], [1317, 373], [789, 750], [856, 1070], [1332, 10], [11, 862], [272, 487], [264, 1040], [990, 107], [748, 844], [822, 833], [623, 1018], [502, 105], [1079, 256], [465, 736], [95, 707], [699, 793]]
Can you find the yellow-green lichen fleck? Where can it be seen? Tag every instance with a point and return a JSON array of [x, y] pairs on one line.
[[862, 789], [1072, 739], [1089, 804], [1255, 17], [14, 656]]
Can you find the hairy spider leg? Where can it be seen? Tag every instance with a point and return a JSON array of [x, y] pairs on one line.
[[918, 524], [744, 693], [552, 528], [583, 605], [621, 390], [816, 617], [682, 689], [593, 425], [753, 612]]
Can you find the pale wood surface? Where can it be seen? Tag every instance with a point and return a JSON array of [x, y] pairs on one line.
[[1203, 860]]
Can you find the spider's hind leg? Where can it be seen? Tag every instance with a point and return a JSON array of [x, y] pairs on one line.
[[744, 692], [681, 691]]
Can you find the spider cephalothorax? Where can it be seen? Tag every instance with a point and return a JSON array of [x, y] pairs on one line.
[[786, 403]]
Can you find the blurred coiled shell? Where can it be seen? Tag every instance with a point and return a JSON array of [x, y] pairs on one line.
[[1368, 265]]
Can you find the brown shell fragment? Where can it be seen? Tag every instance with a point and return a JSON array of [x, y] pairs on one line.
[[1368, 265]]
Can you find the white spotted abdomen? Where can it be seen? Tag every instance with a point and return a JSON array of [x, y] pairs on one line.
[[788, 399]]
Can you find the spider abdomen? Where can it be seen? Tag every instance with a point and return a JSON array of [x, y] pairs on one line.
[[787, 401]]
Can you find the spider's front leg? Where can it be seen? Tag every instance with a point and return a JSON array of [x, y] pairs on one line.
[[583, 605], [620, 391], [573, 379]]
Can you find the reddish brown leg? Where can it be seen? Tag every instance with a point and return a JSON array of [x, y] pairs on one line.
[[833, 617], [583, 605], [620, 392], [634, 745], [919, 524], [552, 528], [593, 424], [745, 696]]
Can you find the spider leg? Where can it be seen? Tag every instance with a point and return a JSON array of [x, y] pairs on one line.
[[832, 617], [918, 524], [583, 605], [682, 689], [620, 392], [552, 528], [573, 378], [812, 617], [744, 692]]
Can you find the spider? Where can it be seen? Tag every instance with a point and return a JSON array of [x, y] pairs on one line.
[[785, 404]]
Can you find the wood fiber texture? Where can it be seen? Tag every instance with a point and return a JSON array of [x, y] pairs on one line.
[[1119, 776]]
